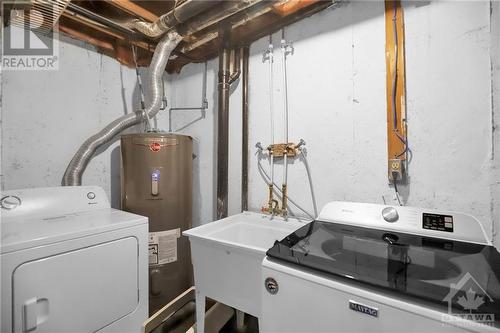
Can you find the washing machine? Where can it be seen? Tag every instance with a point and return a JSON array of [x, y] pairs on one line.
[[373, 268], [70, 263]]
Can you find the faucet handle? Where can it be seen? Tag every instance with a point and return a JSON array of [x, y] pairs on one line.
[[300, 144]]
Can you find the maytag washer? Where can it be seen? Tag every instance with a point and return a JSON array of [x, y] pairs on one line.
[[70, 263], [372, 268]]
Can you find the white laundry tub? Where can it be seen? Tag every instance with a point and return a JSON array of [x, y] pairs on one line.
[[227, 257]]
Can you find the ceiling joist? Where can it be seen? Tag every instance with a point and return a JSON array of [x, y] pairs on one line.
[[248, 24]]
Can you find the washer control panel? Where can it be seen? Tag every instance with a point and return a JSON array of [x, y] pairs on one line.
[[414, 220]]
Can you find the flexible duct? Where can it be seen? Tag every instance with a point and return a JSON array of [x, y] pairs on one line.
[[167, 21], [75, 169]]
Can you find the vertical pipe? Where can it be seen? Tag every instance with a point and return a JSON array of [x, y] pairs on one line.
[[285, 124], [244, 131], [271, 113], [223, 122]]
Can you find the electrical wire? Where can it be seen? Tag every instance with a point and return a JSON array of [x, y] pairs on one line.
[[397, 192]]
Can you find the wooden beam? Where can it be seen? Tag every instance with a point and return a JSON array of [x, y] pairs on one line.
[[134, 9], [291, 6], [86, 38], [395, 83], [105, 30]]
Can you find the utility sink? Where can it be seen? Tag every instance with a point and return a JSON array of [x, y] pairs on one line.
[[227, 256]]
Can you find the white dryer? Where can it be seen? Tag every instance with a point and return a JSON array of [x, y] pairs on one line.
[[71, 263], [372, 268]]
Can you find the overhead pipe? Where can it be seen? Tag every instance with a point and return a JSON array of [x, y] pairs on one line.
[[214, 15], [177, 15], [259, 8], [223, 122], [77, 165], [253, 11], [76, 10]]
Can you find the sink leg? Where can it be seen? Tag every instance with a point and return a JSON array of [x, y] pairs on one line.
[[200, 312], [240, 320]]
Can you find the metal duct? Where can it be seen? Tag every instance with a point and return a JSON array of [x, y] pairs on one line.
[[75, 169], [167, 21]]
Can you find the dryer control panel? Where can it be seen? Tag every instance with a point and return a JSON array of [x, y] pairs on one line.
[[52, 201]]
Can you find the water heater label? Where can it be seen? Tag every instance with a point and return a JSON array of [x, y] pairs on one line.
[[163, 246]]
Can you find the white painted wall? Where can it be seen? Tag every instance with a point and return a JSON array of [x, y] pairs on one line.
[[47, 116], [495, 65], [337, 104]]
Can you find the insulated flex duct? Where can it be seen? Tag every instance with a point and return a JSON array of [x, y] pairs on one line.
[[77, 165]]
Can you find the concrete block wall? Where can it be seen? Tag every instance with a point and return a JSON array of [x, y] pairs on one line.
[[337, 105]]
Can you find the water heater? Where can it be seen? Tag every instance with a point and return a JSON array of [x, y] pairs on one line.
[[156, 182]]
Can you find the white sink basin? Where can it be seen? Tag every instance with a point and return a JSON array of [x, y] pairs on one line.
[[227, 256], [249, 231], [253, 235]]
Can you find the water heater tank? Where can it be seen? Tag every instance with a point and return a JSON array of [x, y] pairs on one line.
[[156, 182]]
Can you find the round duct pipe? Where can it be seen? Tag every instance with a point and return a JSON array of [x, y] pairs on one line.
[[77, 165]]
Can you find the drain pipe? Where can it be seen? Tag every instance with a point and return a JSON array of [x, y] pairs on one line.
[[244, 131], [75, 169], [223, 121]]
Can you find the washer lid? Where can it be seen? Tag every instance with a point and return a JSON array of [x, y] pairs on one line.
[[36, 217], [450, 273]]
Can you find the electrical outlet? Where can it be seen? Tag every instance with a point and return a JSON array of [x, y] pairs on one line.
[[396, 170]]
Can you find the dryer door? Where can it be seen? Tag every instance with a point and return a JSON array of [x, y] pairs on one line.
[[78, 291]]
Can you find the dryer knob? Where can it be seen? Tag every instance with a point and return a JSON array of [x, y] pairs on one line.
[[390, 214]]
